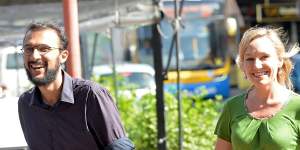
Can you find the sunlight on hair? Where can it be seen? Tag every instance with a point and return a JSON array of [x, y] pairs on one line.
[[293, 51]]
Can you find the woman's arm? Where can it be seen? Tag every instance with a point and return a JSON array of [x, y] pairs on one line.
[[223, 145]]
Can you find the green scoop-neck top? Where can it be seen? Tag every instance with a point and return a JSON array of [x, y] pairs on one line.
[[280, 132]]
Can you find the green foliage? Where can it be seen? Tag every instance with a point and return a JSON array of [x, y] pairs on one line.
[[199, 120]]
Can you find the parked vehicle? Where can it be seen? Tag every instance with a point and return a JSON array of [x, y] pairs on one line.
[[12, 72], [136, 77]]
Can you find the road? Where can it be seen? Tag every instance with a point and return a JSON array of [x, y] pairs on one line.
[[11, 133]]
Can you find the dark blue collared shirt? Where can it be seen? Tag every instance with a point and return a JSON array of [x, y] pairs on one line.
[[85, 118]]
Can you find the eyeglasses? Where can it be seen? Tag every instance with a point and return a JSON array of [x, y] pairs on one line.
[[42, 49]]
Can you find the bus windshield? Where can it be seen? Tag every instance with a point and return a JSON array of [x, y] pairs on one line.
[[201, 39]]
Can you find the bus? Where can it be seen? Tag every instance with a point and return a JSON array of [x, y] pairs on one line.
[[203, 54]]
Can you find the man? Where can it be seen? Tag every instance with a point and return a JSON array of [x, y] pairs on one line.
[[62, 113]]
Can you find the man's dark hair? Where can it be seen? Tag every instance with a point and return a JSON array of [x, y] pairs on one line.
[[37, 26]]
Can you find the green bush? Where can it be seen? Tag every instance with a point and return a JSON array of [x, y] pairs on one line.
[[199, 120]]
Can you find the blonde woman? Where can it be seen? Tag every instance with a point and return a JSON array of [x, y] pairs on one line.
[[267, 116]]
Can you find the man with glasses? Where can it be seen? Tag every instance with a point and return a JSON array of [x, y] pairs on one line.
[[62, 113]]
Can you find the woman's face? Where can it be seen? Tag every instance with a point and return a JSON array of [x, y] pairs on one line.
[[261, 62]]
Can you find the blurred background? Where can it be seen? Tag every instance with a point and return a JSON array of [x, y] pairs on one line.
[[170, 65]]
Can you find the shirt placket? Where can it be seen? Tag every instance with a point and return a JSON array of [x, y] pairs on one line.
[[51, 127]]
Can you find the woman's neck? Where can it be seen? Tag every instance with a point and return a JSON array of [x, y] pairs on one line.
[[269, 95]]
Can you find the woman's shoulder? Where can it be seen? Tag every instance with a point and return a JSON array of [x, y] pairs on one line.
[[236, 100], [292, 108], [234, 106], [294, 100], [295, 95]]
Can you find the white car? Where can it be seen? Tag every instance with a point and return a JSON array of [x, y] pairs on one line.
[[11, 134], [136, 77], [12, 72]]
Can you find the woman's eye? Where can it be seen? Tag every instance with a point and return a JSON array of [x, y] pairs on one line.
[[264, 57], [249, 59]]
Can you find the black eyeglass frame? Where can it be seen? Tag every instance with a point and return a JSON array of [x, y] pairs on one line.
[[46, 50]]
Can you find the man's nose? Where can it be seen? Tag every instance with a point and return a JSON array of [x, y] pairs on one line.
[[36, 53]]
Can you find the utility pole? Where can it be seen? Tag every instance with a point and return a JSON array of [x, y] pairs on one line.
[[160, 106], [70, 8]]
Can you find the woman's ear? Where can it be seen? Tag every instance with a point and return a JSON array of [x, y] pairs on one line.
[[64, 56]]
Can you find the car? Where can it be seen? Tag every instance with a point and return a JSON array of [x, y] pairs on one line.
[[136, 77], [11, 137], [12, 72]]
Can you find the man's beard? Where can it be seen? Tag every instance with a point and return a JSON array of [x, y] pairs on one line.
[[50, 75]]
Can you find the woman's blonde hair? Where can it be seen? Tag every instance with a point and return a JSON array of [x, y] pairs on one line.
[[278, 38]]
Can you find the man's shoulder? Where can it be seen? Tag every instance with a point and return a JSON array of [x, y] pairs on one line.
[[96, 91], [25, 97], [87, 85]]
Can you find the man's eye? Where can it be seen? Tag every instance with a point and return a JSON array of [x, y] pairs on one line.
[[44, 49], [28, 49]]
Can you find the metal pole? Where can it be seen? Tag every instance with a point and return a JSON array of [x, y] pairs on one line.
[[294, 31], [177, 46], [160, 106], [94, 51], [159, 80], [72, 29], [86, 67], [113, 41]]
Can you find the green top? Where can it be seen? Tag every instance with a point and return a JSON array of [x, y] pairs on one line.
[[282, 131]]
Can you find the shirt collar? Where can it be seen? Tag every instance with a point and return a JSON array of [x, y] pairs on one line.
[[67, 91], [66, 94]]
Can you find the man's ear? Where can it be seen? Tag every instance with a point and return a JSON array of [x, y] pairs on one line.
[[64, 56]]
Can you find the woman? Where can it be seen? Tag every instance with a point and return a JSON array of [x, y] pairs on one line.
[[267, 116]]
